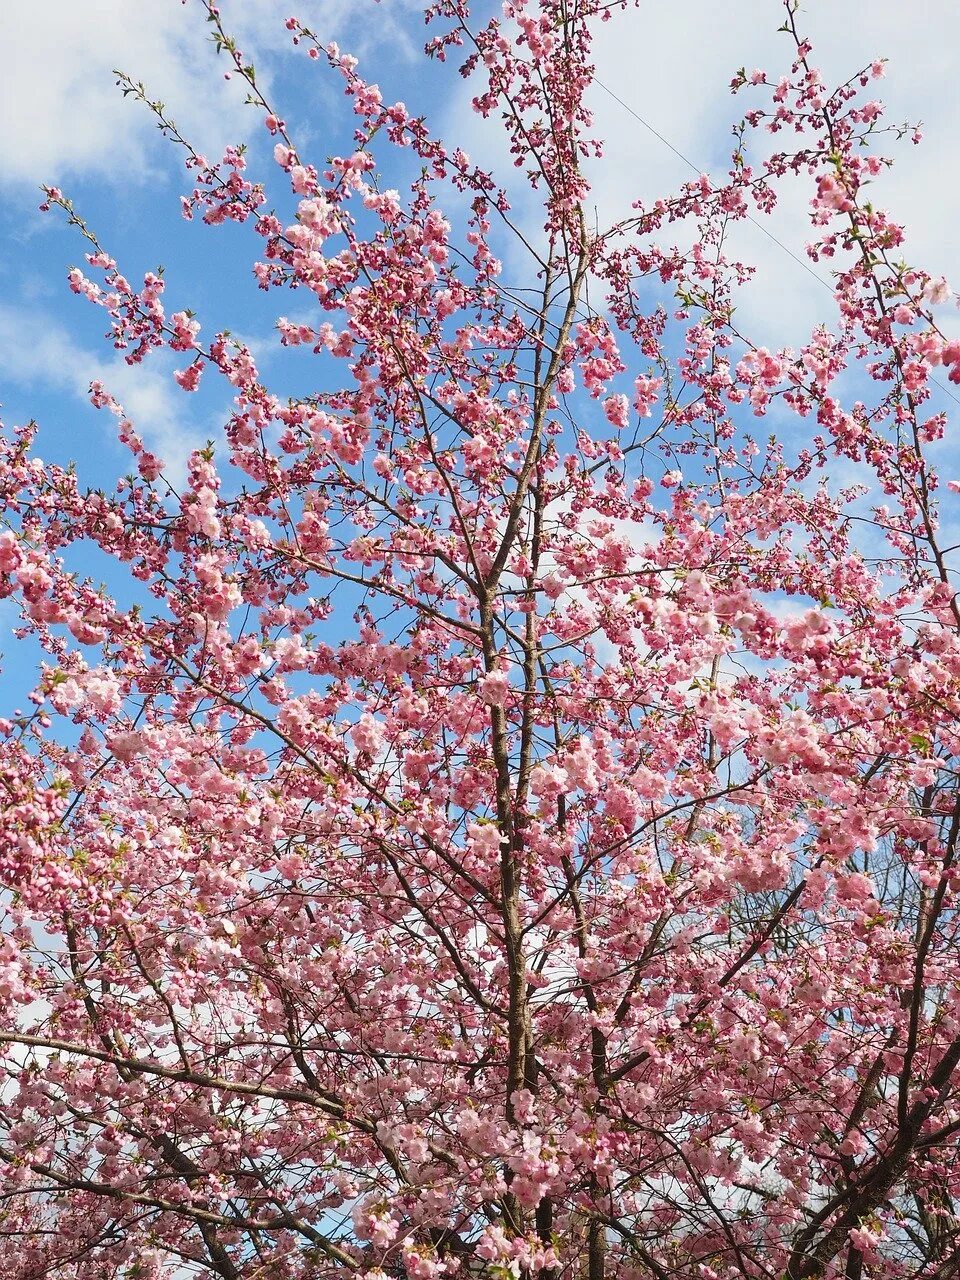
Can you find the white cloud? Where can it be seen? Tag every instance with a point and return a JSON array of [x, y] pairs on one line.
[[65, 121], [672, 63], [36, 352], [64, 117], [62, 112]]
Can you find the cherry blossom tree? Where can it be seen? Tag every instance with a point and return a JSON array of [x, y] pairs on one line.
[[514, 831]]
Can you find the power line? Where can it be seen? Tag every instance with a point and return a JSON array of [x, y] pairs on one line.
[[750, 218], [697, 170]]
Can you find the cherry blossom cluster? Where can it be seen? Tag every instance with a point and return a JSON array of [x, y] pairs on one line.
[[502, 817]]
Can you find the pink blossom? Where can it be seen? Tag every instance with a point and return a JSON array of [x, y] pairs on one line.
[[368, 735], [10, 557], [645, 397], [185, 330], [581, 766], [936, 291], [429, 845], [617, 409], [494, 689], [189, 378]]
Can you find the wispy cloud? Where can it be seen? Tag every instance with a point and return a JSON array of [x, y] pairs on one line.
[[672, 64], [37, 353], [63, 116]]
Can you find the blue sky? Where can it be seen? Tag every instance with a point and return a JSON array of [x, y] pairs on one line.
[[79, 132], [64, 121]]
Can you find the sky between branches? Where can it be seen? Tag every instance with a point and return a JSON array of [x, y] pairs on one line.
[[65, 121]]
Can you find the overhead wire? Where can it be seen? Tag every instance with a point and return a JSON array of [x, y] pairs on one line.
[[750, 218]]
